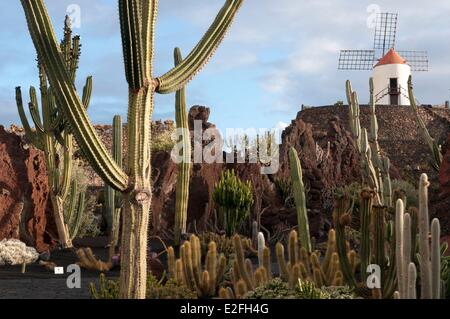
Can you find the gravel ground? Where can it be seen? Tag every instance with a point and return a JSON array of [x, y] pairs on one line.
[[40, 283]]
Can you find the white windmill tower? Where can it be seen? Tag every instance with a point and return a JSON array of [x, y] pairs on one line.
[[392, 68]]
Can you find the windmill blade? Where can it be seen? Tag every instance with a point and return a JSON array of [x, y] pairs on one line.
[[356, 60], [385, 31], [418, 60]]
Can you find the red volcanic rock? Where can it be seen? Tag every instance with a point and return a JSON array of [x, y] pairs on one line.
[[444, 174], [328, 160], [443, 205], [23, 192]]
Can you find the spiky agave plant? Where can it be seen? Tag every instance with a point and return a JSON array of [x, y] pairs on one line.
[[137, 20]]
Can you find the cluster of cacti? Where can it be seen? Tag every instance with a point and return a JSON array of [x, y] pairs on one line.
[[299, 266], [224, 244], [298, 189], [188, 270], [377, 243], [107, 289], [184, 167], [361, 138], [52, 135], [308, 266], [113, 199], [235, 200], [374, 166], [429, 255], [431, 142], [137, 21], [88, 260]]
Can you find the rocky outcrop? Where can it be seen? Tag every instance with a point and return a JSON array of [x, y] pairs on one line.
[[443, 206], [23, 193], [328, 161], [204, 176]]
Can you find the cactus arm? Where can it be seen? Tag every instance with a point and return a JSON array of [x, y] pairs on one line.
[[87, 92], [76, 224], [32, 136], [182, 190], [200, 55], [434, 147], [67, 168], [45, 42], [34, 110], [130, 14], [150, 12]]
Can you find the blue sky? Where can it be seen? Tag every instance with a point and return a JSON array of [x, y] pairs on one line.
[[277, 56]]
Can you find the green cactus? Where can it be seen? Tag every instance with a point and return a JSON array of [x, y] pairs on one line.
[[354, 121], [374, 166], [235, 200], [424, 231], [367, 196], [400, 248], [431, 142], [137, 20], [113, 201], [184, 167], [52, 136], [300, 199], [429, 256], [342, 210]]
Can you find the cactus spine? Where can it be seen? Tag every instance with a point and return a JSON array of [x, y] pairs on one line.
[[434, 147], [52, 136], [300, 199], [138, 28], [184, 167]]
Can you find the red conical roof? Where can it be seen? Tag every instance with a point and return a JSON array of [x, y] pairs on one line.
[[392, 57]]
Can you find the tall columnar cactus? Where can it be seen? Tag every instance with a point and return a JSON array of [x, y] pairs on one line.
[[184, 167], [386, 181], [52, 136], [431, 142], [367, 196], [435, 259], [399, 248], [113, 201], [300, 199], [424, 232], [373, 140], [137, 20]]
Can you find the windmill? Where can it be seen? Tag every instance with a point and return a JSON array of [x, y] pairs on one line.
[[391, 68]]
